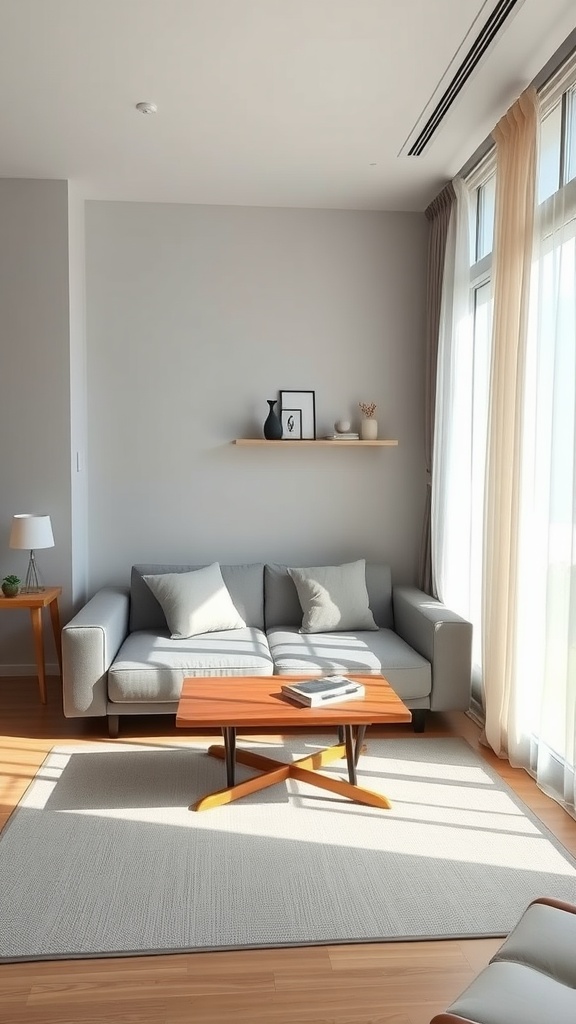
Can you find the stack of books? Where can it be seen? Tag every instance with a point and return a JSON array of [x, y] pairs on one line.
[[350, 436], [314, 693]]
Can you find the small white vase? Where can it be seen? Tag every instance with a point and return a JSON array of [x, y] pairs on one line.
[[369, 429]]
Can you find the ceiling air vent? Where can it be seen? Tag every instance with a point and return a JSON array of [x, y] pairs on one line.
[[481, 44]]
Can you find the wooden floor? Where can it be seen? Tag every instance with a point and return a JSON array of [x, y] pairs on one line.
[[388, 983]]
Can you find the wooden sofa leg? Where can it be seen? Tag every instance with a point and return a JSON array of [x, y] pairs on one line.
[[419, 719], [113, 726]]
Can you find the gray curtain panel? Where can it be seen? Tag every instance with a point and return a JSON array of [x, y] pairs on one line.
[[438, 214]]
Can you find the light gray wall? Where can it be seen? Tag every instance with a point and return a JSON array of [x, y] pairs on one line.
[[34, 392], [197, 315]]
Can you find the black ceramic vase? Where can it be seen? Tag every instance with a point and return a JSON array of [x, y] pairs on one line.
[[272, 424]]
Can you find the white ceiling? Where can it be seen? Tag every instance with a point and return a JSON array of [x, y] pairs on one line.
[[260, 102]]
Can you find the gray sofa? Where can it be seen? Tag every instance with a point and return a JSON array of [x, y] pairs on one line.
[[119, 659]]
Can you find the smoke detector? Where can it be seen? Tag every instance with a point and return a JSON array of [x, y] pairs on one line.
[[146, 108]]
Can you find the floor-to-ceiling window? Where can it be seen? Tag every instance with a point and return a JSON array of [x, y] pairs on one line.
[[540, 709], [547, 605]]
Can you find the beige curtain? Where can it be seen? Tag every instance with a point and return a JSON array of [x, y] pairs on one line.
[[515, 138], [438, 213]]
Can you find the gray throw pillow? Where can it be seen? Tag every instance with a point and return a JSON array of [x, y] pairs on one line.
[[195, 602], [333, 597]]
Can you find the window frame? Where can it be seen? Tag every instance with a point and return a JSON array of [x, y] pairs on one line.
[[480, 269], [560, 88]]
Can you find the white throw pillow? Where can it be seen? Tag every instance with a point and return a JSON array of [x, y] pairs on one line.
[[195, 602], [333, 597]]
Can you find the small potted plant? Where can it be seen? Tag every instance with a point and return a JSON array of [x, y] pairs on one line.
[[11, 586]]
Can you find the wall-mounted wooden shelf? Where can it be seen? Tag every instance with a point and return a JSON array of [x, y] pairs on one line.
[[319, 442]]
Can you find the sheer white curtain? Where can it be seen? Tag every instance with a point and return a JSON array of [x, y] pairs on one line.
[[460, 431], [543, 738], [504, 688]]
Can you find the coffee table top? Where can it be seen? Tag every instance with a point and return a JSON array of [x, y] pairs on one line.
[[252, 701]]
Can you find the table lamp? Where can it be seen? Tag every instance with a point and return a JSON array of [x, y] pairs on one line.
[[30, 531]]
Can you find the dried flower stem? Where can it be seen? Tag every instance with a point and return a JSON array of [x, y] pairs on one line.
[[368, 408]]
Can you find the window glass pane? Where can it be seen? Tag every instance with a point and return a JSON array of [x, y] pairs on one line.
[[485, 223], [570, 142], [549, 165]]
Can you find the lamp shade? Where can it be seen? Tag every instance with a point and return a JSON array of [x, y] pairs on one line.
[[31, 530]]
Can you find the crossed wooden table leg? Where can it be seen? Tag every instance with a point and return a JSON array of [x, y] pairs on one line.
[[305, 770]]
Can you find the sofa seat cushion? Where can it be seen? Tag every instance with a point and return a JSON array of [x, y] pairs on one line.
[[365, 652], [150, 667]]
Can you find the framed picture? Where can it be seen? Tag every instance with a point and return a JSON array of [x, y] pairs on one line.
[[291, 424], [303, 402]]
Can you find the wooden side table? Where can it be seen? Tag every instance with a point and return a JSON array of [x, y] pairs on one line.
[[47, 598]]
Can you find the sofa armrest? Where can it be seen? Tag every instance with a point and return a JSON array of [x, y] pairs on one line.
[[90, 642], [443, 638]]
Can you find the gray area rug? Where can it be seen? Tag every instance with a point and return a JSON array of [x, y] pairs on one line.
[[103, 858]]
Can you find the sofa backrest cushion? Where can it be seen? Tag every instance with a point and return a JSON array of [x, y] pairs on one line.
[[245, 584], [282, 606]]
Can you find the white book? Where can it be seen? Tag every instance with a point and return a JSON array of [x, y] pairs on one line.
[[319, 684], [314, 692], [354, 693], [342, 437]]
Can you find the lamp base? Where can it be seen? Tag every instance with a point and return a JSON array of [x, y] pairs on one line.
[[33, 584]]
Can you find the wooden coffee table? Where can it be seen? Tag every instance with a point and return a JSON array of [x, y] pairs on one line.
[[235, 702]]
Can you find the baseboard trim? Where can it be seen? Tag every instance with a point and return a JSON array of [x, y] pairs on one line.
[[52, 669]]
